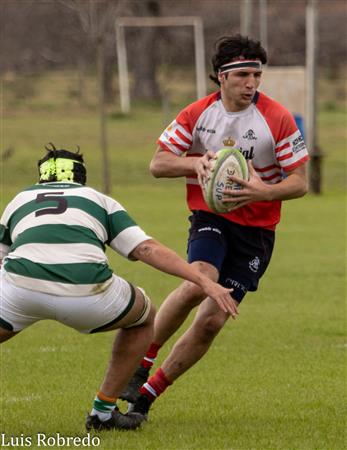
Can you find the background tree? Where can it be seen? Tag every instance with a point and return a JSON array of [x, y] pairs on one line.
[[145, 54]]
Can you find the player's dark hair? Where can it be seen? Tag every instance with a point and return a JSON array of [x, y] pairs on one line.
[[78, 170], [231, 47]]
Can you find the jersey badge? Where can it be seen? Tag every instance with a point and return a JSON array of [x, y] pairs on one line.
[[250, 135]]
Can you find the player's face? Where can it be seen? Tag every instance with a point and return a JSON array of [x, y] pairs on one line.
[[238, 88]]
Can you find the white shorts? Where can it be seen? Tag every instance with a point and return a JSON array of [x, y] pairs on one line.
[[21, 307]]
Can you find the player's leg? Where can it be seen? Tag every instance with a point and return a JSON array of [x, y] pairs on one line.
[[206, 249], [249, 253], [16, 309], [130, 343], [129, 346], [177, 306], [187, 351], [171, 315], [196, 341]]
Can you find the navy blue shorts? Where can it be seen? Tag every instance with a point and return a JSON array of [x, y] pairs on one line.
[[241, 254]]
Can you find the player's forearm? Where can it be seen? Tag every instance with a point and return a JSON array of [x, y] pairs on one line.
[[168, 165], [294, 186], [162, 258]]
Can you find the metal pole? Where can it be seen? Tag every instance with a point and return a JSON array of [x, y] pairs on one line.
[[200, 58], [102, 115], [263, 23], [122, 70], [311, 134], [246, 17]]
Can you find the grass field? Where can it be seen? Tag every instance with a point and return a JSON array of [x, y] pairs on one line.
[[274, 379]]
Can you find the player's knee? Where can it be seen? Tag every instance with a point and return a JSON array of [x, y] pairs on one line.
[[151, 315], [147, 313], [209, 326], [193, 295]]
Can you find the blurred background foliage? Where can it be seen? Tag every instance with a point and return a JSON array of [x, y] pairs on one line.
[[49, 35], [50, 89]]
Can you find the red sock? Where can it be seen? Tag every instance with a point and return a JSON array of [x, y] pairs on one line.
[[151, 355], [155, 385]]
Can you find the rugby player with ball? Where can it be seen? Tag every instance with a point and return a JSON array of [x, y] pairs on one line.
[[232, 247]]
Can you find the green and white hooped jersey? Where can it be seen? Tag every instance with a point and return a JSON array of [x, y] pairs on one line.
[[53, 238]]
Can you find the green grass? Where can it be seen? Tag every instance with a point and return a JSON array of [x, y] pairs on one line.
[[274, 379]]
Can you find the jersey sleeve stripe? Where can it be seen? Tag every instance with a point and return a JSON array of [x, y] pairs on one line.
[[286, 156], [183, 131], [170, 148], [126, 241], [288, 139], [185, 139], [267, 168], [181, 147], [271, 177], [294, 165], [282, 147], [179, 142], [118, 222]]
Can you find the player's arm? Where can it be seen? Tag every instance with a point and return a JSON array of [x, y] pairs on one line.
[[162, 258], [295, 185], [169, 165]]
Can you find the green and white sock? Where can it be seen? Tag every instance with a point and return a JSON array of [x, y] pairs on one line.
[[102, 408]]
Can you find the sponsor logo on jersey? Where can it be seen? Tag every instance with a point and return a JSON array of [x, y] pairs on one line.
[[248, 154], [205, 130], [216, 230], [229, 142], [250, 135], [236, 284], [254, 264]]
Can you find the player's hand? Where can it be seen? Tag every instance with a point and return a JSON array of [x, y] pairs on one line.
[[222, 296], [253, 190], [203, 166]]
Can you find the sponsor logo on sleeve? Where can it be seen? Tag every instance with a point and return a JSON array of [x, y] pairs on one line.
[[298, 144]]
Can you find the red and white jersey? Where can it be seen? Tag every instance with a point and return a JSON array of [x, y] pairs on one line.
[[264, 132]]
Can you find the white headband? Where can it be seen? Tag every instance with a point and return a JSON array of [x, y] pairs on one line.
[[241, 64]]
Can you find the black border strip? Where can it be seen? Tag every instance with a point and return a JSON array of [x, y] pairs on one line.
[[6, 325], [121, 315]]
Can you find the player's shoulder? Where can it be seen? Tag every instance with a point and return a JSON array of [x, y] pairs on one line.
[[195, 109], [280, 121], [269, 106]]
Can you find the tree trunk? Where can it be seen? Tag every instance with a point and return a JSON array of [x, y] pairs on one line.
[[102, 116], [146, 58]]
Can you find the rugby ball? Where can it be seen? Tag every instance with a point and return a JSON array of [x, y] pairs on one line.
[[229, 161]]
